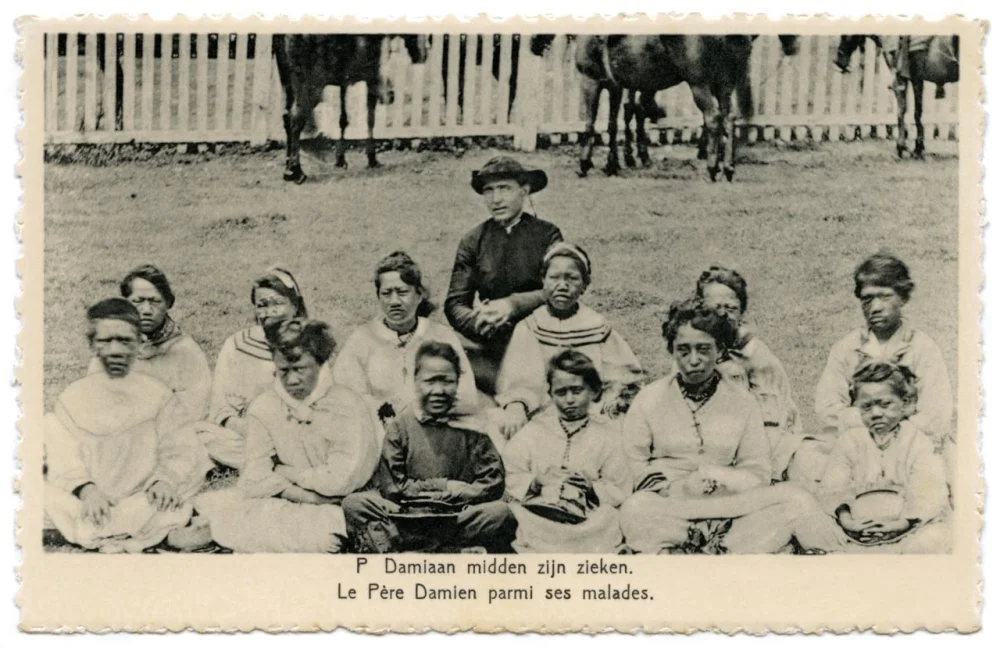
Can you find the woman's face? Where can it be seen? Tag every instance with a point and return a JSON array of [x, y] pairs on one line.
[[723, 300], [563, 284], [150, 304], [695, 353], [271, 307], [504, 199], [298, 373], [399, 301], [571, 395]]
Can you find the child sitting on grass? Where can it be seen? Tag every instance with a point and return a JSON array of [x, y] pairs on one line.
[[888, 463]]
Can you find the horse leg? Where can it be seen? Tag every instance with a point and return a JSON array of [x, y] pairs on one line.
[[342, 143], [727, 123], [372, 104], [612, 167], [298, 105], [591, 98], [900, 92], [709, 107], [630, 110], [641, 139], [918, 111]]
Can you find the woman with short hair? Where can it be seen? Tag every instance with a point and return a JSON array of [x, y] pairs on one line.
[[310, 443], [700, 456], [165, 352]]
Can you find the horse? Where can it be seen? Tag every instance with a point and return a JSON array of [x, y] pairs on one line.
[[479, 44], [933, 59], [307, 63], [714, 67]]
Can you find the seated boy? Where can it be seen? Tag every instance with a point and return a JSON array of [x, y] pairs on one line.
[[892, 461]]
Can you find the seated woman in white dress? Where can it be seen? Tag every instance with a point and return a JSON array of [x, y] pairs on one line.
[[245, 369], [122, 467], [566, 469], [310, 443], [700, 457], [750, 362], [165, 352], [564, 322], [377, 359]]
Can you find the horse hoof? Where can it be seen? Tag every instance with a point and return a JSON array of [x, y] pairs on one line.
[[630, 162], [372, 164], [713, 174], [611, 170], [341, 163], [294, 176], [646, 161], [900, 150], [729, 174], [585, 166], [702, 154]]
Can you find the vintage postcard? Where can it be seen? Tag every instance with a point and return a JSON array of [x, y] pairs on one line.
[[652, 324]]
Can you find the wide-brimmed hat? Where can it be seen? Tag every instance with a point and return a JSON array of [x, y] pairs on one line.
[[506, 168]]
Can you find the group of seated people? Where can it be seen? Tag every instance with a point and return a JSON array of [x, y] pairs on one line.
[[527, 425]]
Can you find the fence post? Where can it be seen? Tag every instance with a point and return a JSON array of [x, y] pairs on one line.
[[262, 70], [90, 83], [529, 90], [52, 82]]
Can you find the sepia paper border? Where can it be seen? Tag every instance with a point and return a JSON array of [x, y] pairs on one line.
[[755, 594]]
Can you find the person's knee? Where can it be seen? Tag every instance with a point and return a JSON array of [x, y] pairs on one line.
[[361, 506], [638, 505], [496, 513]]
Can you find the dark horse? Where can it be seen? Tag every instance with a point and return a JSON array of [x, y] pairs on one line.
[[933, 59], [309, 62], [714, 67]]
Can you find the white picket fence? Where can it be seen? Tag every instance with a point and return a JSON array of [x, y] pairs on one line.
[[224, 88]]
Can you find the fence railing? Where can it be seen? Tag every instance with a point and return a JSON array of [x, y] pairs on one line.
[[117, 88]]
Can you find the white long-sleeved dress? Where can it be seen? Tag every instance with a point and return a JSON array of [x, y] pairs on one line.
[[326, 444], [122, 434]]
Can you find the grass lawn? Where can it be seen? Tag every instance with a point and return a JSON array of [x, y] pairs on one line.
[[795, 223]]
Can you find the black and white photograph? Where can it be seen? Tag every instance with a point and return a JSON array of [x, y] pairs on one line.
[[487, 296]]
